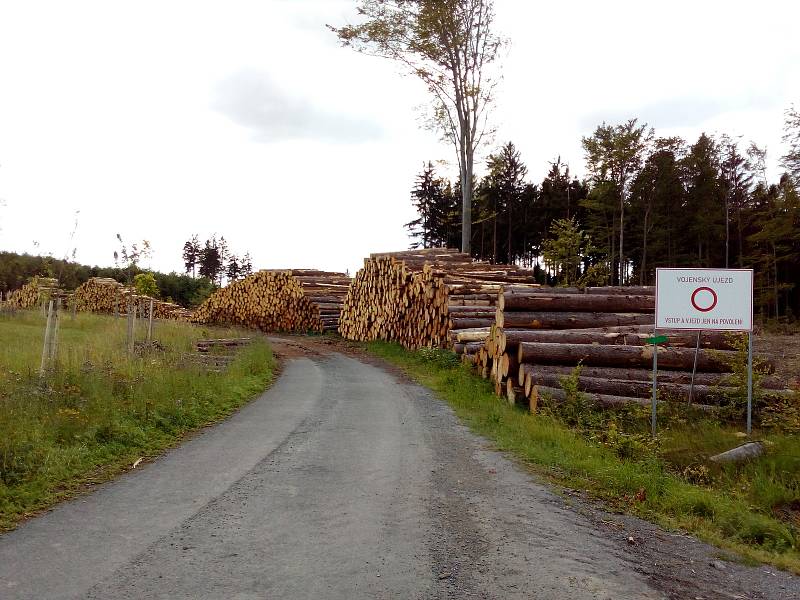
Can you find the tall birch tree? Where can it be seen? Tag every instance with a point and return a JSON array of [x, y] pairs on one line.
[[450, 45]]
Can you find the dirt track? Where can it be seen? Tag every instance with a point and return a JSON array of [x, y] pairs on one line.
[[346, 481]]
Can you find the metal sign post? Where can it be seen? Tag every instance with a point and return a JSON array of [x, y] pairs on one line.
[[694, 367], [749, 383], [654, 408], [655, 341]]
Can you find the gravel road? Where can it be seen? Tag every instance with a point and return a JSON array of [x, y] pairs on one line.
[[344, 480]]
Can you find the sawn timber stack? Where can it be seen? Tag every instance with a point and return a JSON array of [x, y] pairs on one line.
[[287, 300], [423, 298]]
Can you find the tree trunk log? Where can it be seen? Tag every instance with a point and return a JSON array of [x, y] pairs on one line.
[[576, 303], [618, 356], [603, 400], [568, 320], [646, 375], [508, 339]]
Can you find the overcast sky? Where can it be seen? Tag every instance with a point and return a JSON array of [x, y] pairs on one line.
[[158, 120]]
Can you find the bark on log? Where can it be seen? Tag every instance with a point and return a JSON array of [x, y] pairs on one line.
[[685, 377], [603, 400], [638, 290], [576, 303], [508, 339], [617, 356], [470, 323], [467, 348], [635, 389], [568, 320], [471, 311]]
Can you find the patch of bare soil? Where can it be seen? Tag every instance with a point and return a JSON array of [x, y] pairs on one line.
[[784, 350]]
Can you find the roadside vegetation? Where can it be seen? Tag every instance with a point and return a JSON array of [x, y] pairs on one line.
[[99, 411], [752, 508]]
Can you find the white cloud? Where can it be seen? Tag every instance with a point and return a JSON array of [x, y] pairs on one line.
[[151, 118], [254, 101]]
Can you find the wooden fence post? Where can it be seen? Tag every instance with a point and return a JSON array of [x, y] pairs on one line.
[[150, 323], [54, 333], [45, 346], [131, 328]]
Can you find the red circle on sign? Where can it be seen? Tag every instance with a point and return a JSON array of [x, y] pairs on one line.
[[704, 289]]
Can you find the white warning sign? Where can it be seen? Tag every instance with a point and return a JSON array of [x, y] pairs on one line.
[[719, 299]]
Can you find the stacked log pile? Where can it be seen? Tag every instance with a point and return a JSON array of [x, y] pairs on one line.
[[326, 291], [540, 336], [163, 310], [296, 300], [435, 297], [33, 293], [105, 295]]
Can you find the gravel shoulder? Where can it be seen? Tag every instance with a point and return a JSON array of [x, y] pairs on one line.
[[345, 480]]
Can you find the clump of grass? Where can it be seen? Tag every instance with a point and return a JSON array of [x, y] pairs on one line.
[[731, 506], [98, 410]]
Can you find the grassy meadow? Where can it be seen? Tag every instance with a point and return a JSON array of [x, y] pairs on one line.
[[98, 411], [752, 509]]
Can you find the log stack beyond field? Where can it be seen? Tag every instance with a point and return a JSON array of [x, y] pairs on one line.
[[425, 298], [105, 295], [540, 335], [297, 300], [33, 293]]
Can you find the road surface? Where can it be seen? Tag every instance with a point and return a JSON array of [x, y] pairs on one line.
[[346, 481]]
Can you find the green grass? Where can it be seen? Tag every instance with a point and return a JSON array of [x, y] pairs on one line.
[[99, 411], [662, 480]]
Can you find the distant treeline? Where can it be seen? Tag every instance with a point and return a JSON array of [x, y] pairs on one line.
[[17, 269], [647, 202]]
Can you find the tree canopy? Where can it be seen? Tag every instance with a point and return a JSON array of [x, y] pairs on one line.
[[647, 202]]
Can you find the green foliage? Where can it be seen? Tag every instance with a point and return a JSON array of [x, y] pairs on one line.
[[186, 291], [99, 411], [145, 284], [565, 250], [655, 202], [596, 274], [614, 154], [502, 199], [735, 391], [437, 205], [781, 414], [441, 358], [17, 269]]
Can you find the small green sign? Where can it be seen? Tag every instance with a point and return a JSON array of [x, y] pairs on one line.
[[659, 339]]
